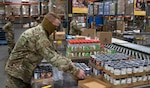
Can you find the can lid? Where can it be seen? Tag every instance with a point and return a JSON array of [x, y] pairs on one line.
[[87, 69]]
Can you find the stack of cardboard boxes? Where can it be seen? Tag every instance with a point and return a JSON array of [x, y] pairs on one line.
[[104, 37], [129, 5], [60, 6]]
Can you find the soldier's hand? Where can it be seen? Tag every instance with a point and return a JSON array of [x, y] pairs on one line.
[[81, 74]]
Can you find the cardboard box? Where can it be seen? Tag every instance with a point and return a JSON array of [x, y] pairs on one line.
[[38, 83], [121, 7], [105, 37], [105, 28], [93, 83], [60, 35], [121, 26], [8, 10], [89, 33]]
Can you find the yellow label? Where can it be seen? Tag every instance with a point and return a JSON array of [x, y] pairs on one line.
[[142, 13], [49, 86], [80, 10], [59, 42]]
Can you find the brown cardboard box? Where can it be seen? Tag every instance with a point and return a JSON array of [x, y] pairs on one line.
[[121, 26], [8, 10], [60, 6], [121, 6], [38, 83], [93, 83], [129, 7], [90, 33], [105, 28], [60, 35], [105, 37]]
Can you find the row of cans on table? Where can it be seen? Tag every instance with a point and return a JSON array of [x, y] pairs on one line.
[[84, 67], [130, 80], [81, 54], [127, 66], [101, 59], [43, 71], [74, 45]]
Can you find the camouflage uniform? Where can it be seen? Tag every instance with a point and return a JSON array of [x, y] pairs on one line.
[[32, 46], [35, 23], [8, 28], [74, 28]]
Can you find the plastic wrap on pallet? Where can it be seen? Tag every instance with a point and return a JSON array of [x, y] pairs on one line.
[[107, 8], [121, 7], [16, 9], [1, 10], [25, 10], [34, 10], [101, 9], [8, 10], [112, 8], [129, 5]]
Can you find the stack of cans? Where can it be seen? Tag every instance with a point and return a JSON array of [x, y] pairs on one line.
[[84, 67]]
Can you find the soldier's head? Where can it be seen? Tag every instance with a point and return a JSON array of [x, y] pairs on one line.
[[11, 19], [50, 22]]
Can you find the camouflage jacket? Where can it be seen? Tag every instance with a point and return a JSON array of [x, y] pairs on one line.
[[35, 23], [74, 28], [32, 46], [8, 28]]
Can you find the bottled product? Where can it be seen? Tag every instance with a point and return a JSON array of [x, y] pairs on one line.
[[141, 68], [123, 70], [37, 73], [116, 82], [129, 80], [144, 78], [123, 81], [134, 79], [139, 78], [135, 68], [129, 69], [117, 70]]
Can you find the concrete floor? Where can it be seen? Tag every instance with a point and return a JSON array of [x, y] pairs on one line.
[[4, 57]]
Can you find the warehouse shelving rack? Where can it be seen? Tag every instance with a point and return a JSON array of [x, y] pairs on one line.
[[23, 18], [130, 17]]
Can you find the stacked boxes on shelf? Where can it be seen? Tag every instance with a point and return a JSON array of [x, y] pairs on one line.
[[34, 10], [101, 10], [129, 5], [121, 7], [60, 6], [107, 8], [112, 8], [82, 48]]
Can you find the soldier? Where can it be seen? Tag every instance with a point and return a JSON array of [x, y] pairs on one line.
[[74, 28], [32, 46], [37, 21], [8, 28]]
